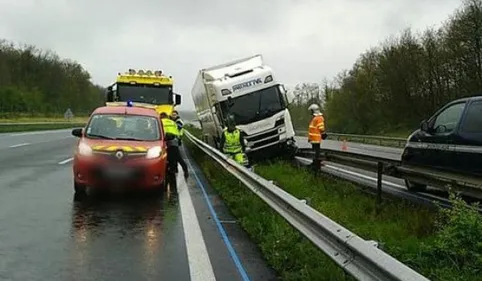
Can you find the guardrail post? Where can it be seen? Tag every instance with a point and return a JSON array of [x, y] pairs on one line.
[[379, 182]]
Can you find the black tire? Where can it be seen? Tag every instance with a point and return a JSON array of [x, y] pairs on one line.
[[80, 189], [415, 187]]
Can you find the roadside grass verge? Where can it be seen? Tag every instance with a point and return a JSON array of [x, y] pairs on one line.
[[43, 119], [440, 244], [37, 127]]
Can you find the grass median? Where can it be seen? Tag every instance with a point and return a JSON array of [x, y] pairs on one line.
[[10, 125], [442, 245], [37, 127]]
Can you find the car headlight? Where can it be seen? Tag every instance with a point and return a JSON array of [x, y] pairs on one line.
[[84, 149], [154, 152]]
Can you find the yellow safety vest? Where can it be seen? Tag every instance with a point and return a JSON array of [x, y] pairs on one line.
[[170, 127], [232, 142]]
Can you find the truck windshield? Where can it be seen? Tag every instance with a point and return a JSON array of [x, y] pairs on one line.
[[255, 106], [144, 93]]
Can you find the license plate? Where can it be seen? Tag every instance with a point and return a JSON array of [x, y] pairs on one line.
[[118, 171]]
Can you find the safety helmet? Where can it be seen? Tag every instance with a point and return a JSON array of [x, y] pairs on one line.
[[314, 108]]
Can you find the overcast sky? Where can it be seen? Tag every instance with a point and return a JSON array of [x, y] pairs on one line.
[[303, 40]]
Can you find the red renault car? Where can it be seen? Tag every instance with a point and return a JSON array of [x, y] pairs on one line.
[[121, 147]]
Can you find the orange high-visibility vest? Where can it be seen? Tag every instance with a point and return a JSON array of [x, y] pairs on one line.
[[316, 129]]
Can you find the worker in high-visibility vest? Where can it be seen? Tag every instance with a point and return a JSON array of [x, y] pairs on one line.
[[232, 143], [180, 124], [316, 133], [172, 135]]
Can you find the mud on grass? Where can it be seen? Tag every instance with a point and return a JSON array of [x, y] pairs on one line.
[[410, 233]]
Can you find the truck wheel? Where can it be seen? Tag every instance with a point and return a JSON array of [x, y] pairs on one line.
[[415, 187]]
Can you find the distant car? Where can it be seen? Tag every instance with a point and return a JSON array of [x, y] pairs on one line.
[[121, 147], [450, 140]]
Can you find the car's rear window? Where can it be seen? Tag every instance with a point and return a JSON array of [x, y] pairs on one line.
[[123, 127], [473, 119]]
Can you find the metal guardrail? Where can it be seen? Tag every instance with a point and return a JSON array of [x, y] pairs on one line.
[[391, 167], [359, 257], [369, 139]]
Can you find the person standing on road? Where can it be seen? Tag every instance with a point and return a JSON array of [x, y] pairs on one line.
[[180, 124], [232, 143], [172, 138], [316, 132]]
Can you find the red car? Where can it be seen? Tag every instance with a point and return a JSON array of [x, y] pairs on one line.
[[121, 147]]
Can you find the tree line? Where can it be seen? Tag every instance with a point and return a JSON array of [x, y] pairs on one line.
[[36, 82], [394, 86]]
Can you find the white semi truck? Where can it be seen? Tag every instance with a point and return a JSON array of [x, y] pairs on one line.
[[247, 89]]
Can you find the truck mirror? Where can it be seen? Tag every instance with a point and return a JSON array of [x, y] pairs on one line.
[[110, 95], [230, 102], [178, 99]]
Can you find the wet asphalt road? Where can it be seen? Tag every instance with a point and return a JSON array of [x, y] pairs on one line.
[[374, 150], [47, 235]]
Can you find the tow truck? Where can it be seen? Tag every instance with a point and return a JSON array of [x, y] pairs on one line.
[[121, 147], [144, 88]]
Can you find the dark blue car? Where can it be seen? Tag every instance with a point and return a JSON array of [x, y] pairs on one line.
[[451, 140]]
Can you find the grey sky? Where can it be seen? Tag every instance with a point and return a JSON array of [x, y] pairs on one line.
[[305, 41]]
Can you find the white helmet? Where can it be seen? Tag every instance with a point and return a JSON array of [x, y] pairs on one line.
[[314, 108]]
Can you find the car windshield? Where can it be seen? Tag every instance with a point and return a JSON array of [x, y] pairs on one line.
[[144, 93], [255, 106], [123, 127]]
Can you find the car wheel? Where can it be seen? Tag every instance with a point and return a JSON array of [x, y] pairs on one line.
[[159, 189], [415, 187], [80, 188]]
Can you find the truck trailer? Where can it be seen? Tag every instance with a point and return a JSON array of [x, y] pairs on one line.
[[248, 89]]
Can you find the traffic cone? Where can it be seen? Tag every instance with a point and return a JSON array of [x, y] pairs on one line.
[[344, 147]]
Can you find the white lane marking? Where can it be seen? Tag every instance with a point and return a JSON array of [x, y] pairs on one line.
[[66, 161], [19, 145], [200, 267]]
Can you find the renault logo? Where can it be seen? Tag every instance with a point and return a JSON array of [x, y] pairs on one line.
[[119, 155]]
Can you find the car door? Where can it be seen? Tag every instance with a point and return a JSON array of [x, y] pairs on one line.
[[468, 155], [438, 142]]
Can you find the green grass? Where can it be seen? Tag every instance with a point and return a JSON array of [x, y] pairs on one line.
[[440, 245], [37, 127], [24, 119], [74, 122]]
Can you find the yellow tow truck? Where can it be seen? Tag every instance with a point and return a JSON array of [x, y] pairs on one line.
[[144, 88]]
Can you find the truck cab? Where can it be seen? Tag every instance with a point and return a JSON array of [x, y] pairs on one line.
[[261, 113], [144, 87], [248, 89], [449, 140]]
